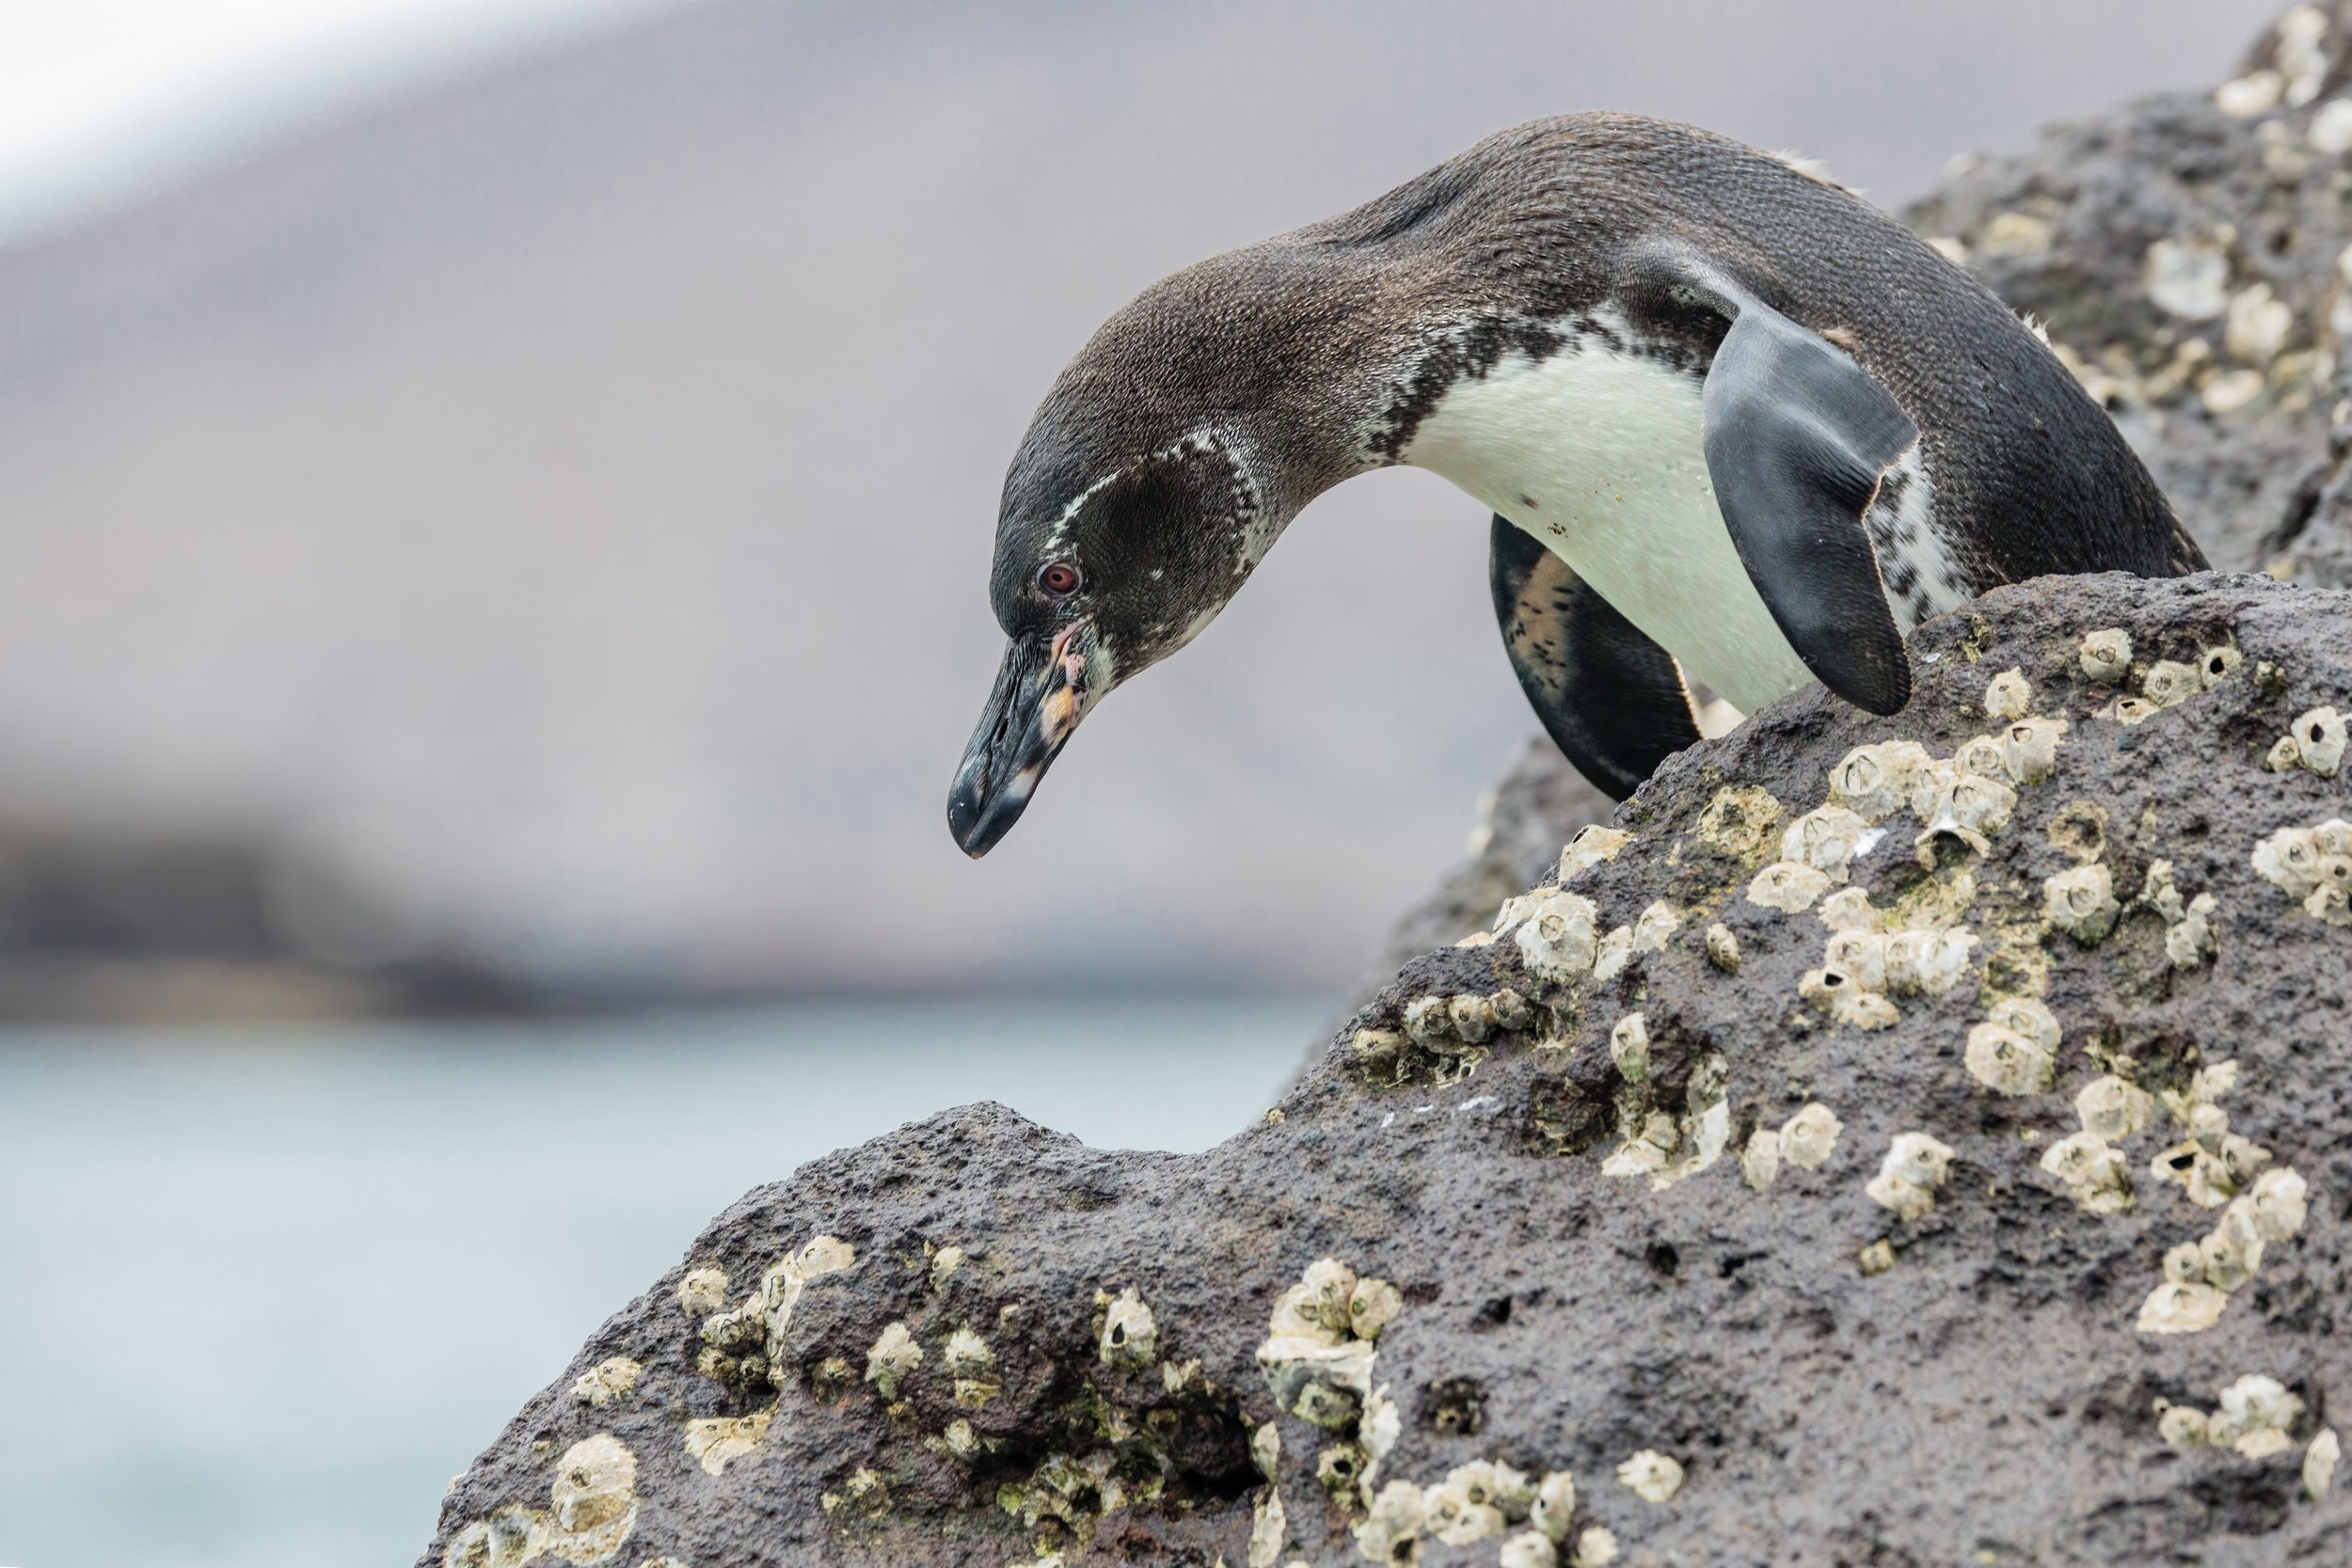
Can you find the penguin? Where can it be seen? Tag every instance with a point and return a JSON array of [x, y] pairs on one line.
[[1736, 427]]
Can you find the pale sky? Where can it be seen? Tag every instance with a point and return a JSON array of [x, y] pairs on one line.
[[102, 99]]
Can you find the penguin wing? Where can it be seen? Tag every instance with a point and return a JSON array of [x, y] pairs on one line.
[[1610, 698], [1798, 436]]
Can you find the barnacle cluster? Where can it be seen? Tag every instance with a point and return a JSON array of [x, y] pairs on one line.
[[592, 1507], [2105, 655], [2097, 1173], [2188, 938], [2260, 1203], [743, 1345], [2312, 864], [2255, 1418], [2315, 741], [1667, 1142], [1319, 1352], [1806, 1140], [1478, 1501], [1445, 1035]]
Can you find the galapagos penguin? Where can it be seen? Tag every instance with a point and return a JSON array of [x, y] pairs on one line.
[[1735, 426]]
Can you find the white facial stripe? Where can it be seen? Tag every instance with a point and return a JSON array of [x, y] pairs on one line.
[[1261, 532]]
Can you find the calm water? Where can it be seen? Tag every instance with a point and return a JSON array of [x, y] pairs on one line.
[[262, 1293]]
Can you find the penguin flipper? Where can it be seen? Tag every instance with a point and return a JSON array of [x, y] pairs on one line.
[[1798, 437], [1610, 698]]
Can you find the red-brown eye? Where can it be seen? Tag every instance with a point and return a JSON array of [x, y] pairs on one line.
[[1058, 578]]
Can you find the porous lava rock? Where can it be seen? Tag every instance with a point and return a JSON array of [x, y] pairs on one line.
[[977, 1341]]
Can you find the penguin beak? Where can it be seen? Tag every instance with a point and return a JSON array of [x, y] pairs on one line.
[[1040, 695]]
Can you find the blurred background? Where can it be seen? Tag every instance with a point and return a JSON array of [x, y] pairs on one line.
[[496, 497]]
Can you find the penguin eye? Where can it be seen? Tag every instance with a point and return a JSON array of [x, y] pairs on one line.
[[1059, 578]]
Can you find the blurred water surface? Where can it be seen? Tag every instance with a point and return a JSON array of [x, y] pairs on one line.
[[263, 1292]]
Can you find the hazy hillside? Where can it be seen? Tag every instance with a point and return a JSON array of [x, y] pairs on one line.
[[559, 506]]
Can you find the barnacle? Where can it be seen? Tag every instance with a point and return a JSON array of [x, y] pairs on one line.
[[593, 1502], [1592, 844], [718, 1440], [1428, 1022], [1372, 1307], [1392, 1525], [1267, 1528], [1651, 1476], [1916, 1166], [1808, 1138], [1982, 753], [2127, 711], [1130, 1336], [2029, 749], [1850, 909], [610, 1379], [1629, 1048], [701, 1290], [2007, 1062], [2279, 1202], [1379, 1051], [973, 1365], [2081, 902], [1875, 781], [2106, 654], [1723, 948], [1835, 994], [2216, 663], [2181, 1426], [1473, 1017], [2289, 859], [2319, 1464], [2181, 1306], [2168, 683], [1825, 838], [1340, 1469], [1596, 1548], [1926, 963], [2009, 695], [1554, 1504], [1614, 951], [1557, 940], [1968, 806], [1787, 886], [1738, 822], [2319, 739], [1447, 1513], [1759, 1161], [1528, 1549], [2096, 1176], [2113, 1108], [1656, 925]]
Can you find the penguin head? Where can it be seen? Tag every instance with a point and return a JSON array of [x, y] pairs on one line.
[[1161, 467]]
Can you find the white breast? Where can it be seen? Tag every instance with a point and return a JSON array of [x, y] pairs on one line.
[[1596, 452]]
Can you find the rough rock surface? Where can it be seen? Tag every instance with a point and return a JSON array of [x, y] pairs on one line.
[[2191, 265], [1081, 1363]]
